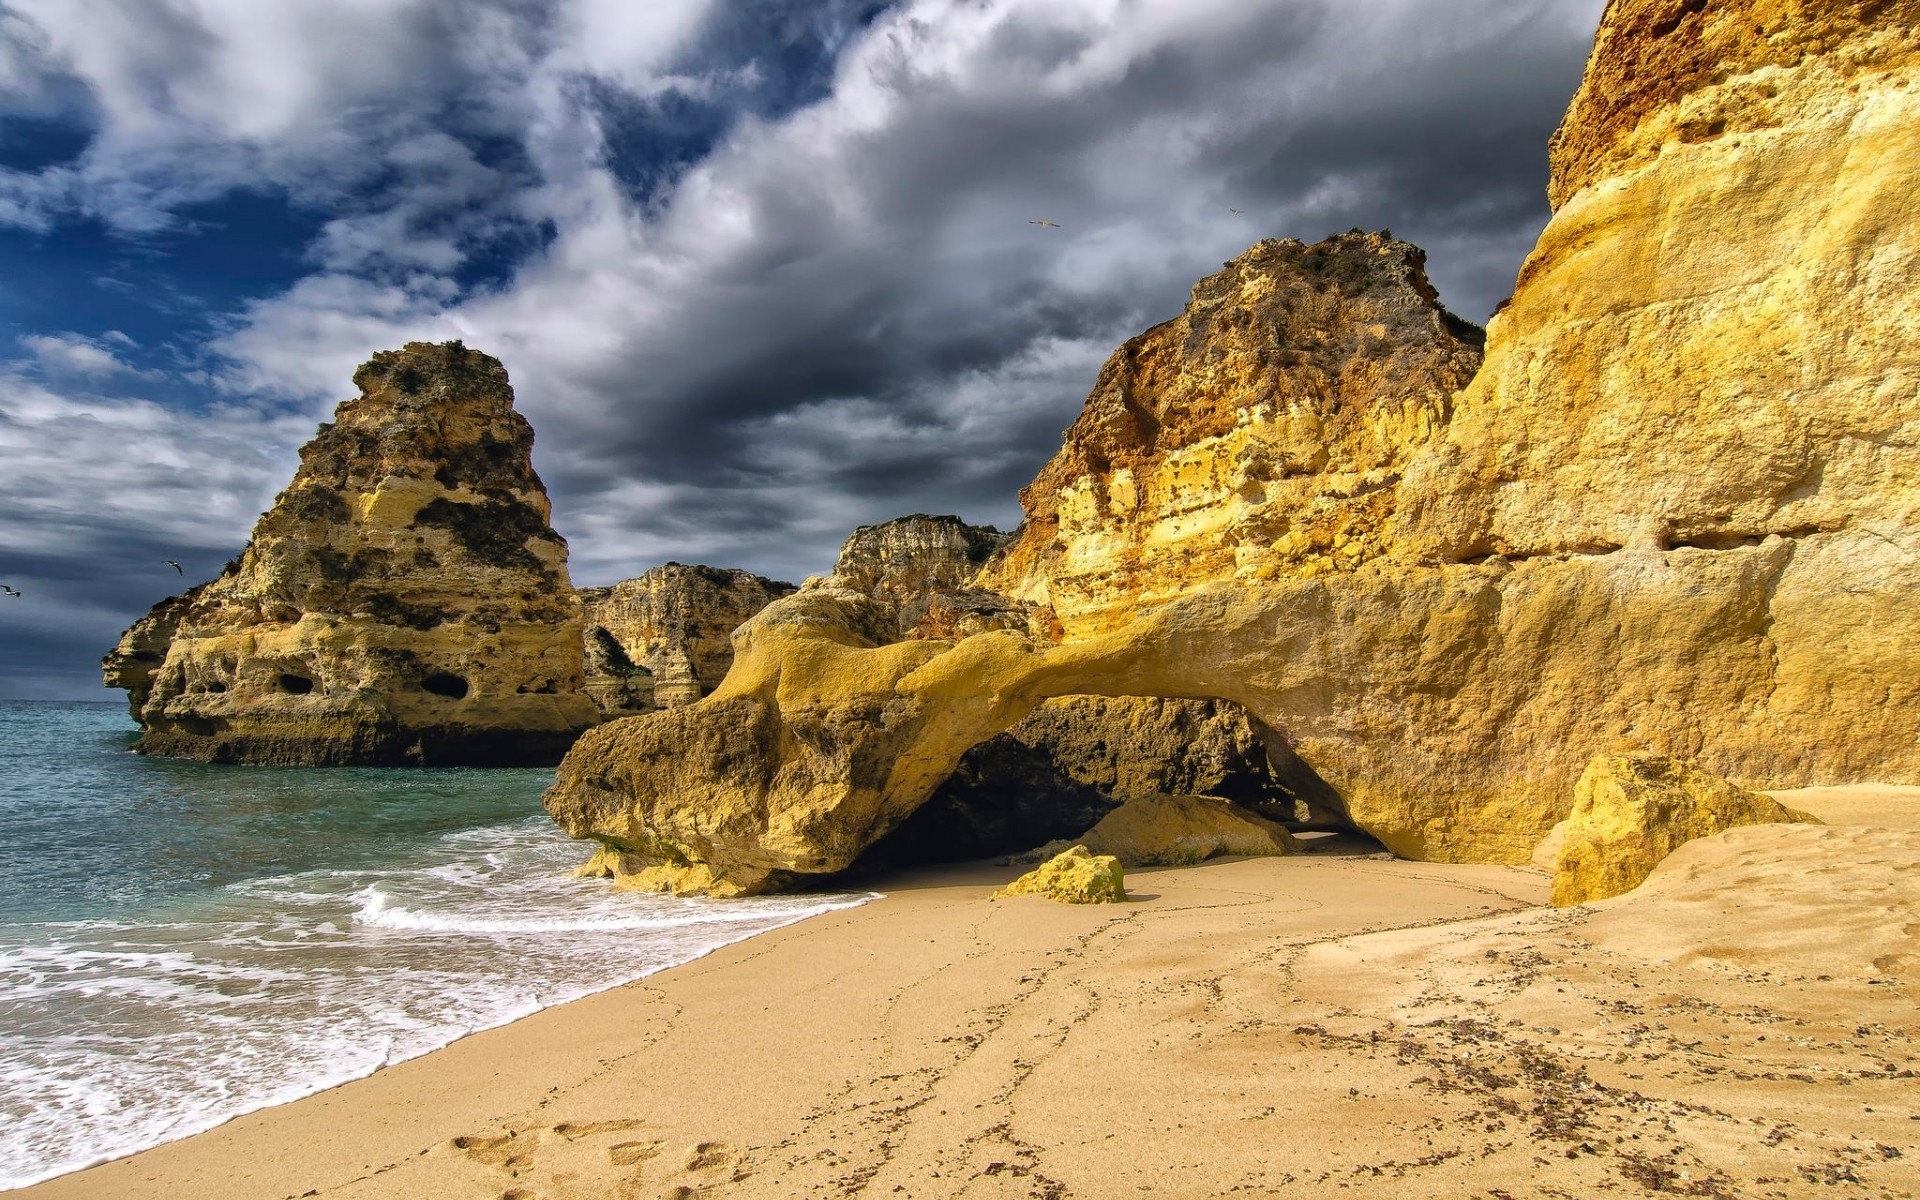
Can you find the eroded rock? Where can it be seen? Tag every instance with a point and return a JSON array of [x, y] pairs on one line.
[[1631, 811], [403, 602], [923, 566], [1673, 509], [1260, 434], [660, 640], [1180, 830], [1074, 876], [1076, 758]]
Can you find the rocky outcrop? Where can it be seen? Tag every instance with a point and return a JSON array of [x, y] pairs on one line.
[[1153, 831], [618, 685], [1058, 772], [923, 567], [1260, 434], [1064, 767], [1631, 811], [1674, 508], [403, 602], [825, 737], [670, 627], [1074, 876]]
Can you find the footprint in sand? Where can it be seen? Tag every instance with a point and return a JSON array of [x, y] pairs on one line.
[[494, 1150], [711, 1165], [632, 1154], [554, 1159], [709, 1156]]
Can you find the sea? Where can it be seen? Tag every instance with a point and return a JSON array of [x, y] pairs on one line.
[[182, 943]]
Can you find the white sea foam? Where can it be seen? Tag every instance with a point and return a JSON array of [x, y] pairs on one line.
[[120, 1035]]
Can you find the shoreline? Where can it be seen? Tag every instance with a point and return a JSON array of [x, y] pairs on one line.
[[1251, 1024]]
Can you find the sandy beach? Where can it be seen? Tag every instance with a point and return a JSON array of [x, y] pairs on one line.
[[1324, 1024]]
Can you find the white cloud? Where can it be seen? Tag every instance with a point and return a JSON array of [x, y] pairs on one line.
[[80, 470], [69, 354]]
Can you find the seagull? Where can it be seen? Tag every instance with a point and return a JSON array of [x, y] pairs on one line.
[[1236, 210], [9, 591], [175, 566], [1048, 224]]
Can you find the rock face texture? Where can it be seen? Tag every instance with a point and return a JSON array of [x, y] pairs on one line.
[[1261, 434], [1675, 509], [1070, 763], [924, 567], [1074, 876], [1180, 830], [404, 601], [1630, 812], [660, 640]]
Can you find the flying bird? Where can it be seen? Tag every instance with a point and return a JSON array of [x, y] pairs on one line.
[[1048, 224], [175, 566], [1236, 210], [9, 591]]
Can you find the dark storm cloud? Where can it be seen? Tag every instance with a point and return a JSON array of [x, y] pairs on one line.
[[763, 272], [890, 261]]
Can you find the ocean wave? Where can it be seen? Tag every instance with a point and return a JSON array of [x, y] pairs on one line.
[[119, 1035], [378, 910]]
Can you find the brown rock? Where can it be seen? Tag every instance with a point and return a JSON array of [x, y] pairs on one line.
[[923, 567], [1666, 71], [1261, 433], [670, 625], [404, 601], [1056, 773]]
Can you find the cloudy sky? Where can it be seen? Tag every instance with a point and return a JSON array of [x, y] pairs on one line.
[[762, 270]]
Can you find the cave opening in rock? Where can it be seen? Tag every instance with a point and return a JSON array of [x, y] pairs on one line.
[[1075, 759], [295, 685], [441, 683]]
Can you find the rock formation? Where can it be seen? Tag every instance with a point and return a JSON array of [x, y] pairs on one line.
[[924, 567], [660, 640], [1055, 774], [1061, 769], [403, 602], [1674, 509], [1631, 811], [1074, 876], [618, 685], [1261, 434], [1153, 831]]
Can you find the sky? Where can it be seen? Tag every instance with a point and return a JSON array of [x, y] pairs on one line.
[[761, 270]]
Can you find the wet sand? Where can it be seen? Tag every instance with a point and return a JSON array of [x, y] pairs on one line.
[[1745, 1025]]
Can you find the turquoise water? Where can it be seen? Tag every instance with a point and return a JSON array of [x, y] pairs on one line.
[[182, 943]]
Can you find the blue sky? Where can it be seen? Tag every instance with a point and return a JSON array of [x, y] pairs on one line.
[[761, 270]]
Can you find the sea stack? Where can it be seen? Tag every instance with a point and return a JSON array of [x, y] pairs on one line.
[[404, 602]]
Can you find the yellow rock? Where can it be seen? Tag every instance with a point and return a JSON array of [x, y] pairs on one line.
[[405, 600], [1180, 830], [1204, 453], [661, 638], [1678, 506], [1630, 812], [1074, 876]]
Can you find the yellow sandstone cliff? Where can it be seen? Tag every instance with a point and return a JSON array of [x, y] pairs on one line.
[[659, 640], [1261, 434], [1674, 511], [404, 601]]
